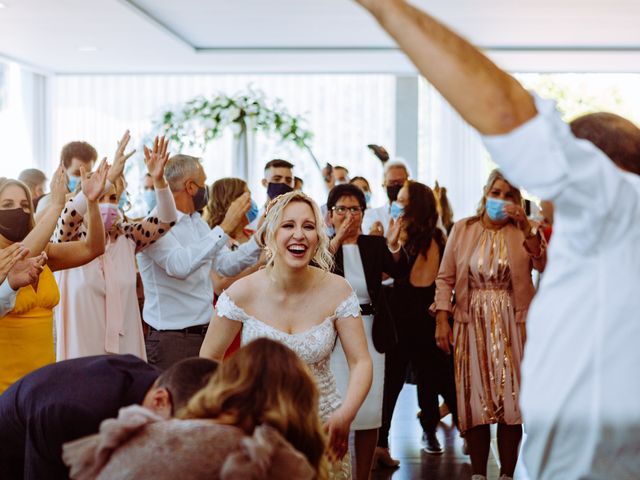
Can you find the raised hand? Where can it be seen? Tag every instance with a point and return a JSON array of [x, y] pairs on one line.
[[93, 186], [59, 186], [9, 256], [237, 210], [157, 157], [120, 158], [394, 232], [26, 272], [337, 428], [517, 214], [377, 229]]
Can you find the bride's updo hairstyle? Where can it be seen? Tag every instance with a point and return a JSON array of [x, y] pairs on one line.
[[267, 233]]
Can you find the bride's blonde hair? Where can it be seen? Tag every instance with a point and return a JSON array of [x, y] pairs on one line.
[[267, 233]]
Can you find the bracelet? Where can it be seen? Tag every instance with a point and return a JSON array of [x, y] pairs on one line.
[[396, 250]]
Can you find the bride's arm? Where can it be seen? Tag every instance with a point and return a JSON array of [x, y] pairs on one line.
[[220, 334], [354, 343]]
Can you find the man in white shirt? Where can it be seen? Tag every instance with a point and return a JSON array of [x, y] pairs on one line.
[[376, 220], [581, 390], [176, 270], [278, 179]]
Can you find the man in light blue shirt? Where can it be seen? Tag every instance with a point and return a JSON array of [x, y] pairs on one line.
[[580, 383], [176, 270]]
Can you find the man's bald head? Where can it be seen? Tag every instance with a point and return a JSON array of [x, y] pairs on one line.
[[614, 135]]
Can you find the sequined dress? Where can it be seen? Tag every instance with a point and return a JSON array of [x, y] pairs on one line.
[[313, 346], [488, 349]]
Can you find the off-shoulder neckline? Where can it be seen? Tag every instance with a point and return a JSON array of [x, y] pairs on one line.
[[331, 317]]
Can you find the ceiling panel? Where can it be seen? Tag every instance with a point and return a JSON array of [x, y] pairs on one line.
[[125, 36]]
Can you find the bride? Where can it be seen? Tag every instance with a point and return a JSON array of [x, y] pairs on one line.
[[297, 301]]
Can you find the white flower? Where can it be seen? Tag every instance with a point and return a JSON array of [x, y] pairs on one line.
[[235, 127], [233, 113]]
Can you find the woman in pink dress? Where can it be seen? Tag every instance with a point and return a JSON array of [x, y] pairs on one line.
[[488, 261], [98, 311]]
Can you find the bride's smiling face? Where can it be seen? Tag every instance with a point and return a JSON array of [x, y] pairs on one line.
[[297, 235]]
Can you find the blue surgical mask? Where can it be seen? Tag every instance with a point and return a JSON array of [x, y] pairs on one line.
[[73, 182], [253, 212], [495, 209], [396, 210], [367, 197], [150, 198], [123, 200]]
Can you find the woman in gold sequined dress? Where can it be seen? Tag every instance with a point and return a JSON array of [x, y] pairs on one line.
[[487, 263]]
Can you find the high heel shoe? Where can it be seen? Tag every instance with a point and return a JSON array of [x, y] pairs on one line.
[[384, 459]]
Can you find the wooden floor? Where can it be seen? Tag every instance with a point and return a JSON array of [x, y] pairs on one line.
[[405, 442]]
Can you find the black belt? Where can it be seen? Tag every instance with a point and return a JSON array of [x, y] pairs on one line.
[[197, 330], [367, 309]]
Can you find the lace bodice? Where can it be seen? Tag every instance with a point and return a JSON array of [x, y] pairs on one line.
[[313, 346]]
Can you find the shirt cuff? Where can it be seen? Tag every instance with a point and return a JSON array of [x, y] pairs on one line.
[[166, 209], [7, 298]]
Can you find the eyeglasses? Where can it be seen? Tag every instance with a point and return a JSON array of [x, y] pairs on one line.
[[342, 210]]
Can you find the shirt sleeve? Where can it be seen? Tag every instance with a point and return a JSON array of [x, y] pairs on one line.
[[544, 157], [7, 298], [230, 263], [180, 261]]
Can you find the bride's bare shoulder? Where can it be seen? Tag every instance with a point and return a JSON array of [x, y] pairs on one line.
[[334, 284], [243, 289]]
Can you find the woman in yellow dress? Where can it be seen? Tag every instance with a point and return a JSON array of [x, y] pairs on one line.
[[26, 332]]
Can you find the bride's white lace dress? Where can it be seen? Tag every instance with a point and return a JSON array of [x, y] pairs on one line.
[[313, 346]]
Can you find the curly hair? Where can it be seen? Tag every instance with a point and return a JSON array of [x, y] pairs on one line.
[[267, 233], [221, 194], [421, 219], [83, 151], [265, 382]]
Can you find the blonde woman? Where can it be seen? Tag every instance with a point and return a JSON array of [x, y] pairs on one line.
[[488, 261], [257, 418], [305, 307]]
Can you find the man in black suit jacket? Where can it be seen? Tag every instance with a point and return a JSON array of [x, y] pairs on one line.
[[68, 400]]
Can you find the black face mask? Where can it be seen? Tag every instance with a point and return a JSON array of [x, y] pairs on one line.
[[274, 190], [201, 198], [393, 191], [14, 224]]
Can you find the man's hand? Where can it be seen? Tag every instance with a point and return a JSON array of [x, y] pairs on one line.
[[59, 187], [156, 159], [26, 272], [93, 186], [238, 209], [9, 257], [120, 158]]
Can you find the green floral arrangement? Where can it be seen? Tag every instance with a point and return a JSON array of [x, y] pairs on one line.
[[202, 120]]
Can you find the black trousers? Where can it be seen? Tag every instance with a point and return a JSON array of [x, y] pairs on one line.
[[416, 353], [165, 348]]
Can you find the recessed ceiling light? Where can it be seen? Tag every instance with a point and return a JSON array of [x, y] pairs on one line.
[[88, 48], [2, 5]]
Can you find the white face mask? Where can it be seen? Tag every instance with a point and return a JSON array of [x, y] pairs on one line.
[[109, 214]]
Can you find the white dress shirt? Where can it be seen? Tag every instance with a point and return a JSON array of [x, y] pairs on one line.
[[176, 272], [7, 298], [580, 376]]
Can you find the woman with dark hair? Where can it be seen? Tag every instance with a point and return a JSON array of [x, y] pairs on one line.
[[488, 262], [412, 295], [444, 207], [362, 260], [256, 418]]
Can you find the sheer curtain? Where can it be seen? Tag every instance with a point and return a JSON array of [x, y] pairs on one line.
[[345, 113], [450, 152], [24, 120]]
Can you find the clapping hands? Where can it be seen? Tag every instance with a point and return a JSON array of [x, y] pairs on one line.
[[93, 186], [156, 159], [59, 187], [120, 158], [26, 271]]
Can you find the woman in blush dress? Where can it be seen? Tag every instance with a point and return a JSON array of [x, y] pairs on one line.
[[257, 418], [305, 307], [488, 261]]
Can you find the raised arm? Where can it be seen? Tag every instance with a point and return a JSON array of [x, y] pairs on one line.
[[487, 98], [78, 253]]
